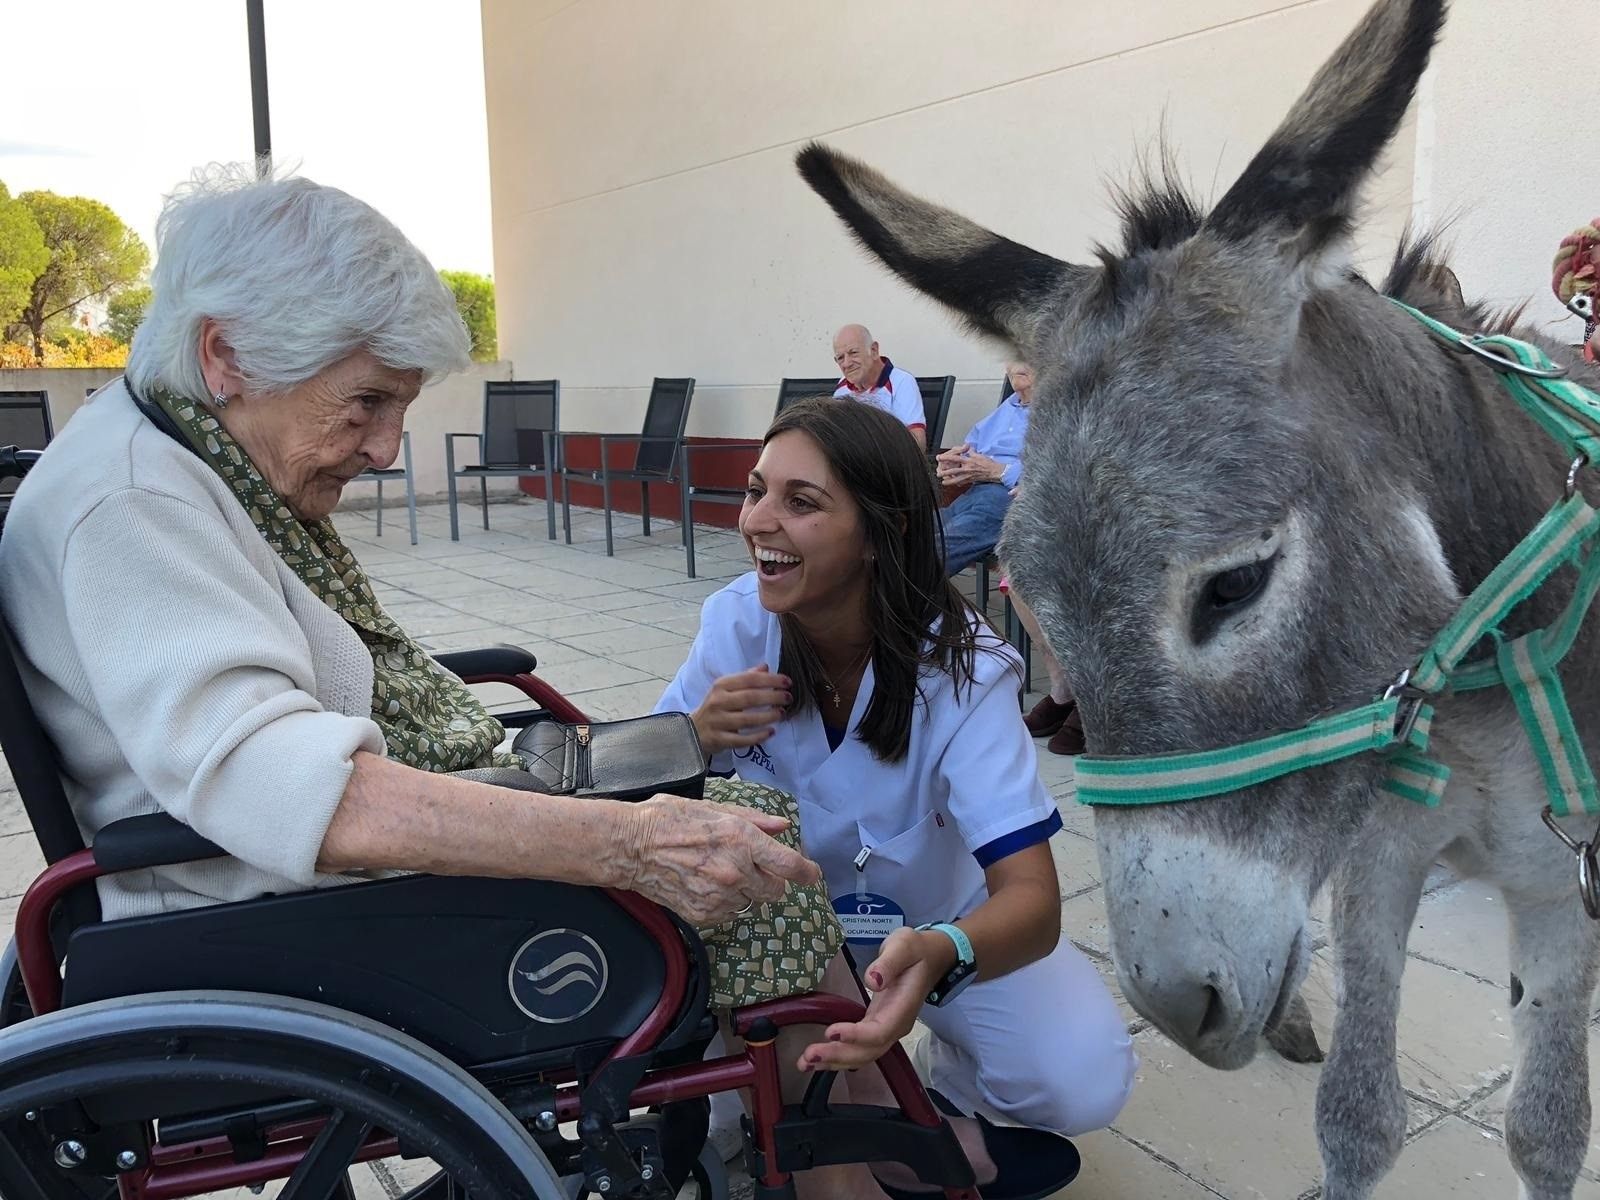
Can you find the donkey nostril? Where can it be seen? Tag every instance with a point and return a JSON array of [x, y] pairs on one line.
[[1215, 1015]]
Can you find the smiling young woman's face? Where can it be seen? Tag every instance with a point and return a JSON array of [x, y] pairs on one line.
[[803, 530]]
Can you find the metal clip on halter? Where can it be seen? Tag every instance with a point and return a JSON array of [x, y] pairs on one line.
[[1405, 716], [1489, 351], [1578, 464], [1588, 863]]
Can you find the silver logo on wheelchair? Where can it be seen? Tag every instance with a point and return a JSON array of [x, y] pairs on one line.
[[558, 976]]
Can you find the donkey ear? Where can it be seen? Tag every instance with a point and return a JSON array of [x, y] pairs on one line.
[[1001, 287], [1300, 189]]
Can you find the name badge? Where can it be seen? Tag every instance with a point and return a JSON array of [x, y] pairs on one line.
[[867, 917]]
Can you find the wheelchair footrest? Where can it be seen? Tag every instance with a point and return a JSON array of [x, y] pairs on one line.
[[858, 1133]]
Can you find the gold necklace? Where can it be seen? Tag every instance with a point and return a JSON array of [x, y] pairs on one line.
[[827, 684]]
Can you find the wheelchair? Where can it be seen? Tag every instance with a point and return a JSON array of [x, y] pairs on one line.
[[486, 1038]]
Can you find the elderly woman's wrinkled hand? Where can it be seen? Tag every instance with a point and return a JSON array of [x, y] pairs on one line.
[[708, 862]]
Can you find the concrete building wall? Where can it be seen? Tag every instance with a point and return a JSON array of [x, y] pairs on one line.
[[648, 220]]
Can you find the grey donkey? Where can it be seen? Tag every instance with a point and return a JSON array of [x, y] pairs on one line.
[[1253, 490]]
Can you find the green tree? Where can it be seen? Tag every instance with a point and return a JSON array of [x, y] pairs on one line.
[[22, 256], [475, 300], [124, 311], [92, 254]]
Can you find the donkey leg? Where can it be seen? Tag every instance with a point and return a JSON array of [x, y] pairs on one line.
[[1361, 1107], [1555, 955]]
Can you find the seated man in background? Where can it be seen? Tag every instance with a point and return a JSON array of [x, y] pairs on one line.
[[988, 464], [869, 377]]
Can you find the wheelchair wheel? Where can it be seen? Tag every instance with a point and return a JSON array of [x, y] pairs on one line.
[[122, 1064]]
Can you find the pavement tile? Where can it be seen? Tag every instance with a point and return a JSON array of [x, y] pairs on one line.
[[629, 639], [1452, 1158], [1117, 1169], [662, 662], [1464, 926], [20, 862], [616, 703], [1077, 863]]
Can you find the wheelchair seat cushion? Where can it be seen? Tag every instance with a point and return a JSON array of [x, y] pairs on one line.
[[777, 949]]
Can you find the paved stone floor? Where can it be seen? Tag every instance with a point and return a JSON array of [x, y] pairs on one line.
[[611, 632]]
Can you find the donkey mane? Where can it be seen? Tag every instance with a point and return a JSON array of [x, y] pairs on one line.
[[1420, 275]]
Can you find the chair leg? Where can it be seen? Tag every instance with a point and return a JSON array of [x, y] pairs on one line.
[[566, 509], [605, 500], [483, 489], [450, 485], [411, 489], [644, 506], [380, 508], [550, 485], [983, 585], [685, 506]]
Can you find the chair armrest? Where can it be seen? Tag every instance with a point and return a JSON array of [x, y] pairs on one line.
[[488, 660], [154, 840], [606, 438], [470, 435], [698, 447]]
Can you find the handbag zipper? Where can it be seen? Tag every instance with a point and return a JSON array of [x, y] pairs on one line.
[[582, 766]]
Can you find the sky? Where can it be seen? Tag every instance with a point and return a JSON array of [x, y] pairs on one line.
[[120, 100]]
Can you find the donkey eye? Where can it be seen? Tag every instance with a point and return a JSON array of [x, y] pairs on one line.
[[1238, 586], [1225, 594]]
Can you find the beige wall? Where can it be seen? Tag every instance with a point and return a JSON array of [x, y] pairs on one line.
[[648, 220], [66, 385], [454, 404]]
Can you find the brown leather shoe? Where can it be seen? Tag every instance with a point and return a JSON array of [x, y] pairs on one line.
[[1045, 717], [1069, 738]]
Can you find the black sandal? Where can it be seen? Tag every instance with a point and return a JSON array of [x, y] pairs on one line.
[[1032, 1164]]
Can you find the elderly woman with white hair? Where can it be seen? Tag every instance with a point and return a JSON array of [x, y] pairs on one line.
[[197, 640]]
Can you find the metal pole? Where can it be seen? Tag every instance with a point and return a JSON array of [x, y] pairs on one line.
[[258, 87]]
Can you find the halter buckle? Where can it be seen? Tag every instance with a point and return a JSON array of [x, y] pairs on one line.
[[1503, 361], [1588, 856], [1409, 709], [1578, 464]]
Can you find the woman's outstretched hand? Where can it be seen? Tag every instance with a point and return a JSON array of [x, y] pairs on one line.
[[741, 710], [908, 966], [707, 862]]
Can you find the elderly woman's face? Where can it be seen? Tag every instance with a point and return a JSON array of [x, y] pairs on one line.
[[313, 439]]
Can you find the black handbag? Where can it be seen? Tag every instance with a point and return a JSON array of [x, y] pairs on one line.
[[622, 760]]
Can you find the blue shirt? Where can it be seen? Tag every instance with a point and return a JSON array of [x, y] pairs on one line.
[[999, 436]]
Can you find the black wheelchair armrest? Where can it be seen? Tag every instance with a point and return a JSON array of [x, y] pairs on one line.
[[155, 840], [488, 660]]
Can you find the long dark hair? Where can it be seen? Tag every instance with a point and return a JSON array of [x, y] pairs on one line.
[[916, 616]]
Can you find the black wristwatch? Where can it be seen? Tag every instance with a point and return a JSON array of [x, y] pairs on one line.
[[963, 973]]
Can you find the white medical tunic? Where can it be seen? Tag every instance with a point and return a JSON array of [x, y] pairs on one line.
[[920, 831], [1044, 1046]]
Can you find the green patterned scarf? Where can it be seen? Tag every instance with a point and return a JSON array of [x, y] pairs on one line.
[[429, 719]]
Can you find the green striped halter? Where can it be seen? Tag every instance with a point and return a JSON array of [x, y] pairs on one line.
[[1397, 723]]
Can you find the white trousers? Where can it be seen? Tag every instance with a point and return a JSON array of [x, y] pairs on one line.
[[1043, 1047]]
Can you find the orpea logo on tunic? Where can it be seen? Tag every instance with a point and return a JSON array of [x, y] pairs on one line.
[[558, 976], [757, 756]]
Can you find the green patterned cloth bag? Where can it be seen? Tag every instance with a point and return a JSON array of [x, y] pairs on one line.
[[777, 949], [428, 717]]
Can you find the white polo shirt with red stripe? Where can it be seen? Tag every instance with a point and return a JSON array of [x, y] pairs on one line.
[[896, 392]]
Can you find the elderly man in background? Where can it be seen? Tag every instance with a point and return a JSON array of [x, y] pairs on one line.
[[869, 377], [988, 465]]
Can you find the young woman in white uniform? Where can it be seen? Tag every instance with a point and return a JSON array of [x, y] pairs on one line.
[[892, 717]]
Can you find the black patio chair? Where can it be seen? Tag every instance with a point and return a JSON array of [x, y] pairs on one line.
[[520, 420], [937, 391], [657, 454], [390, 474], [24, 423], [789, 391]]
